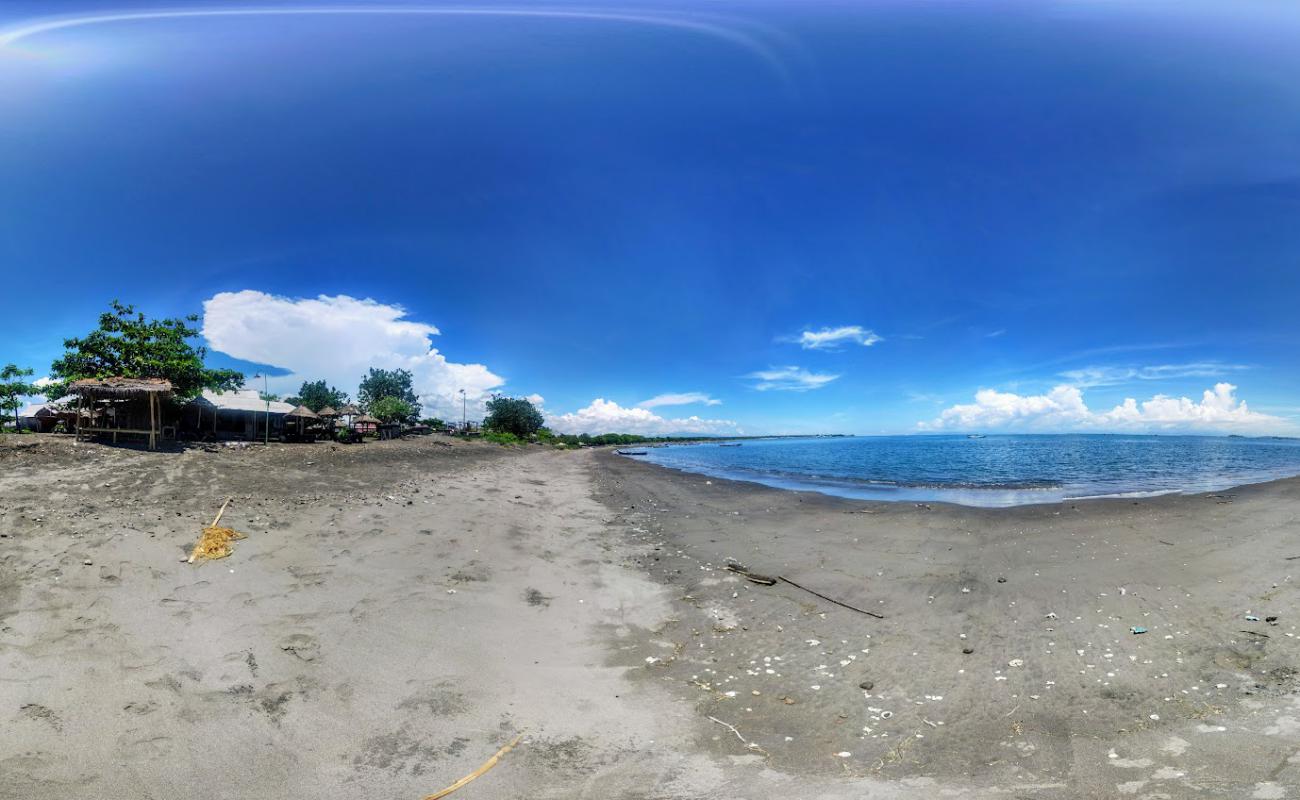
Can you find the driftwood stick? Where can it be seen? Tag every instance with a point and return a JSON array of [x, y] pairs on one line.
[[487, 765], [830, 599], [740, 569], [1252, 633]]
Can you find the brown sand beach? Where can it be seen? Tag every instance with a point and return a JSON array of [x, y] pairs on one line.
[[401, 610]]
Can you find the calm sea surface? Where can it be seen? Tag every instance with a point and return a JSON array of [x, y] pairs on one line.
[[995, 470]]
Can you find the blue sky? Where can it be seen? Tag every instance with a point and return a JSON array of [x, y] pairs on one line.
[[786, 217]]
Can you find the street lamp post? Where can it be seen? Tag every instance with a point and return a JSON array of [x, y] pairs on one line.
[[266, 397], [464, 425]]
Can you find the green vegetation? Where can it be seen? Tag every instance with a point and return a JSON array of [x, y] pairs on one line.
[[12, 387], [381, 383], [513, 415], [392, 409], [502, 437], [129, 345], [434, 422], [317, 394]]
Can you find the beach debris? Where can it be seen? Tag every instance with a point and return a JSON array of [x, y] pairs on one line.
[[1137, 629], [1252, 618], [478, 773], [1002, 580], [768, 580], [866, 686], [967, 650], [1162, 541], [215, 541], [925, 506], [1253, 633], [1271, 620], [748, 744], [1016, 662], [742, 570]]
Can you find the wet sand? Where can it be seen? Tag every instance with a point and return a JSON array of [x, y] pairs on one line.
[[400, 610]]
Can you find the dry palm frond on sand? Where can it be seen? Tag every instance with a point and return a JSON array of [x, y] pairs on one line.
[[215, 541]]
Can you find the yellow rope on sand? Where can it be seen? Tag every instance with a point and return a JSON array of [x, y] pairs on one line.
[[215, 542], [489, 764]]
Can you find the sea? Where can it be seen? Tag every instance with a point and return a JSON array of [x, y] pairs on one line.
[[994, 470]]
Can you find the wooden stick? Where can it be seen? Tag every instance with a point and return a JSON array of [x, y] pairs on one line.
[[222, 511], [830, 599], [740, 569], [489, 764]]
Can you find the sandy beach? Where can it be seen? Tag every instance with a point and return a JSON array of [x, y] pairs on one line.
[[401, 610]]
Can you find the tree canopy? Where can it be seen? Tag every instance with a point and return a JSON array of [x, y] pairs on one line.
[[392, 409], [513, 415], [318, 394], [381, 383], [13, 387], [130, 345]]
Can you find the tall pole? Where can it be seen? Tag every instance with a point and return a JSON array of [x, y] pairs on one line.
[[266, 393], [464, 425]]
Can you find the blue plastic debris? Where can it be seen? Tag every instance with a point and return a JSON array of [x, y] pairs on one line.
[[1138, 629], [1252, 618]]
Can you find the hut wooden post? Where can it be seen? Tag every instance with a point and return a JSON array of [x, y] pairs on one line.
[[153, 424]]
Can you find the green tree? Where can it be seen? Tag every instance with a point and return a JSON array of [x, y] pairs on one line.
[[513, 415], [392, 409], [381, 383], [12, 387], [129, 345], [434, 422], [318, 394]]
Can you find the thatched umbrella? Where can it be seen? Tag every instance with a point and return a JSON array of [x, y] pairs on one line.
[[349, 411], [327, 412], [301, 413], [366, 419]]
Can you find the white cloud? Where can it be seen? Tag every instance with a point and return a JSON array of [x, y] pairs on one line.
[[1086, 377], [606, 416], [536, 399], [1063, 409], [679, 399], [338, 338], [789, 379], [832, 338]]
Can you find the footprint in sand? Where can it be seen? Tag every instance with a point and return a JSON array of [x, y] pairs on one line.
[[302, 645]]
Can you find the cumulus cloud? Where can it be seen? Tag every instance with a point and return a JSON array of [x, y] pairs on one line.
[[789, 379], [338, 338], [606, 416], [833, 338], [1063, 409], [1086, 377], [679, 399]]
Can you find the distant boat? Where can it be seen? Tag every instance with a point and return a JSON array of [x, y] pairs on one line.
[[732, 444], [974, 436], [630, 452]]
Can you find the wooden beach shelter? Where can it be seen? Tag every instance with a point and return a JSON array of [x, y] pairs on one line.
[[302, 414], [366, 424], [129, 405], [327, 412], [349, 411]]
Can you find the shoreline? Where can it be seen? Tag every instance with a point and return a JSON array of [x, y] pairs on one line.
[[873, 491]]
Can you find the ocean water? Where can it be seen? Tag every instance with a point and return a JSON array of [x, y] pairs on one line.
[[994, 470]]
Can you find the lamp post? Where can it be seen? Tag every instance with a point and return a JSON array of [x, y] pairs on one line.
[[266, 397], [464, 426]]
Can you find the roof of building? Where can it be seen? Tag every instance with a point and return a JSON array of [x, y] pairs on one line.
[[304, 412], [368, 420], [241, 400], [120, 387], [327, 411]]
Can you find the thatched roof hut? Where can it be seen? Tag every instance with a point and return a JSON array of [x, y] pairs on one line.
[[366, 419], [349, 410], [328, 412], [123, 393], [303, 412], [116, 388]]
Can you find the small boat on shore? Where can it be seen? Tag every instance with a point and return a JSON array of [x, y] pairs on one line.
[[630, 452]]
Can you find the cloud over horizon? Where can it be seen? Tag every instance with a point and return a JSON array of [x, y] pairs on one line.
[[789, 379], [606, 416], [337, 338], [833, 338], [679, 399], [1087, 377], [1063, 409]]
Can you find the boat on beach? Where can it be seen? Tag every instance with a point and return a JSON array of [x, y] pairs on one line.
[[630, 452]]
